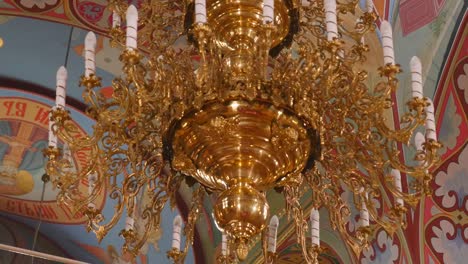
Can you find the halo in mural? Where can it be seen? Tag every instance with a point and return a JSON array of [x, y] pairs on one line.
[[23, 136]]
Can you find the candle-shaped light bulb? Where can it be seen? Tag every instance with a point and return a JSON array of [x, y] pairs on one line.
[[177, 227], [130, 219], [129, 223], [397, 180], [268, 11], [132, 26], [272, 233], [92, 177], [66, 152], [90, 48], [67, 155], [387, 42], [364, 212], [224, 245], [419, 141], [330, 19], [60, 92], [430, 122], [52, 136], [315, 226], [116, 20], [200, 11], [369, 6], [416, 77]]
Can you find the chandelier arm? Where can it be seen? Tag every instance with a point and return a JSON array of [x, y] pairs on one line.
[[294, 210], [136, 76], [409, 122], [312, 24], [412, 198], [355, 35], [390, 224], [364, 24], [118, 6], [117, 38], [113, 118], [338, 212], [135, 239], [356, 55], [89, 95], [192, 217], [425, 162], [347, 6], [95, 217], [65, 129], [264, 245], [68, 180], [161, 24], [159, 187]]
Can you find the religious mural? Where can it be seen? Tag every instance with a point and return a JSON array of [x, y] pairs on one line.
[[446, 231], [24, 125], [437, 230]]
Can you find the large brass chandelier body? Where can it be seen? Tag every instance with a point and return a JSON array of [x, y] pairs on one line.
[[261, 95]]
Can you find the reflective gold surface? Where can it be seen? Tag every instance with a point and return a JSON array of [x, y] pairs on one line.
[[241, 211], [241, 122], [256, 143], [239, 22]]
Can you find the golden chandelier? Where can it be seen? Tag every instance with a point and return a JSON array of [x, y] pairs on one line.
[[277, 100]]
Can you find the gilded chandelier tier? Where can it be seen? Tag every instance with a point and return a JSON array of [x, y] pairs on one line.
[[238, 98]]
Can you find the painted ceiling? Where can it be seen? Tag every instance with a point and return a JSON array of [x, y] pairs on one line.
[[34, 36]]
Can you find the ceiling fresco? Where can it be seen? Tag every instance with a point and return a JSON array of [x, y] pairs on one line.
[[35, 35]]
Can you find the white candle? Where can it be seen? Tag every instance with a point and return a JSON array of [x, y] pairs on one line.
[[92, 177], [224, 245], [52, 136], [315, 226], [268, 11], [419, 141], [200, 11], [177, 225], [272, 233], [129, 223], [369, 6], [68, 157], [60, 92], [416, 77], [66, 152], [90, 47], [397, 178], [116, 20], [387, 42], [330, 19], [430, 122], [132, 26], [364, 212]]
